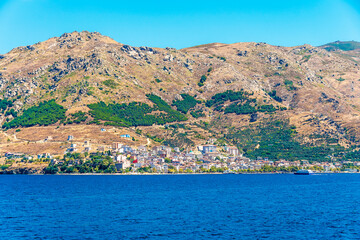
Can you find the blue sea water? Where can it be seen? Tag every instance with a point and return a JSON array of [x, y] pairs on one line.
[[180, 207]]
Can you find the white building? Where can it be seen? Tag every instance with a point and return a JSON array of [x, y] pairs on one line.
[[123, 165], [233, 151]]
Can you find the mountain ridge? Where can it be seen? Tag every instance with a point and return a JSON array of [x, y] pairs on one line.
[[341, 45], [356, 43], [319, 89]]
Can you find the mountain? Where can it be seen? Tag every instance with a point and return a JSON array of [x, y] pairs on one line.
[[341, 45], [80, 81], [346, 49]]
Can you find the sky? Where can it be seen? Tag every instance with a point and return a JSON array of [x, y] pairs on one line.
[[181, 24]]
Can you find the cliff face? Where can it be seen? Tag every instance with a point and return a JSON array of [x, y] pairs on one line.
[[319, 88]]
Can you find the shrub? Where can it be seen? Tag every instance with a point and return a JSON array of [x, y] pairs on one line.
[[4, 104], [202, 81], [110, 83], [197, 114], [289, 85], [272, 94]]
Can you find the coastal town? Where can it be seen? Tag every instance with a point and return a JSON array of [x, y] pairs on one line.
[[125, 159]]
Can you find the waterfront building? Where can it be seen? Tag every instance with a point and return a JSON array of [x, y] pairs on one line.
[[123, 165]]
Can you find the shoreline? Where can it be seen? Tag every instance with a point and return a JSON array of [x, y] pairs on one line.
[[160, 174]]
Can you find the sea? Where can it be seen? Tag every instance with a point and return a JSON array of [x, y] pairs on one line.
[[221, 206]]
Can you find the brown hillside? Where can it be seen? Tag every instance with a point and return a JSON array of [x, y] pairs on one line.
[[320, 89]]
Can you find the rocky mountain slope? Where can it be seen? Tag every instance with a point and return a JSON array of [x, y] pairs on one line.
[[316, 89]]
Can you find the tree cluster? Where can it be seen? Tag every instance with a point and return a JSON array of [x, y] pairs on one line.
[[46, 113], [135, 113], [186, 104], [241, 103], [277, 140]]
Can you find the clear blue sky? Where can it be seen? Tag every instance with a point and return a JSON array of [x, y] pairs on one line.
[[182, 23]]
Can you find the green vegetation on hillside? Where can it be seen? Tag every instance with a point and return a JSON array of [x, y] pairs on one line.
[[306, 58], [4, 104], [276, 140], [266, 108], [202, 81], [352, 156], [110, 83], [11, 112], [197, 113], [77, 117], [132, 114], [186, 104], [135, 113], [221, 98], [173, 115], [273, 95], [241, 103], [289, 85], [244, 108], [46, 113], [75, 163], [339, 45]]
